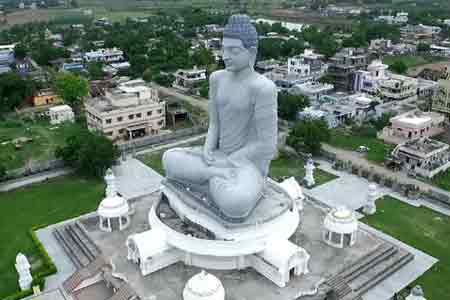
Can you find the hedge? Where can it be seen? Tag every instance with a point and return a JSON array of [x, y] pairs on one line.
[[39, 277]]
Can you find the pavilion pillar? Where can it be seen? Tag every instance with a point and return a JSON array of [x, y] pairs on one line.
[[120, 223], [342, 241], [109, 224]]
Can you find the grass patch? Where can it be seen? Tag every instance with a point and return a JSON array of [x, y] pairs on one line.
[[410, 60], [41, 148], [285, 166], [423, 229], [349, 141], [46, 203], [442, 180]]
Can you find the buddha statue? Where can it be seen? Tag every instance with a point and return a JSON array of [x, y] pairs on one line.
[[233, 164]]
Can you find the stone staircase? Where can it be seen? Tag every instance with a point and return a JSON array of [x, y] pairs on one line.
[[359, 277], [77, 244]]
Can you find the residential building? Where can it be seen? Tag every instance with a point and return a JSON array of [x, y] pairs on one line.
[[419, 33], [73, 67], [413, 125], [104, 55], [61, 113], [398, 88], [128, 111], [187, 79], [312, 90], [426, 88], [343, 65], [441, 99], [368, 81], [424, 157], [45, 97], [399, 18], [317, 114], [264, 66], [380, 45], [440, 50]]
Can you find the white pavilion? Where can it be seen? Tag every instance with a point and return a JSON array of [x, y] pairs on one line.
[[113, 211], [340, 228], [204, 286]]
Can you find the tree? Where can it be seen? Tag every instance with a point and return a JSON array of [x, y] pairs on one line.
[[204, 89], [14, 90], [423, 47], [398, 67], [2, 171], [308, 135], [20, 51], [289, 105], [164, 80], [382, 121], [202, 57], [72, 88], [89, 153], [96, 70]]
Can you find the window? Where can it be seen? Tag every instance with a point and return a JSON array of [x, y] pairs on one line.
[[159, 111], [109, 133], [108, 121], [131, 117], [121, 131], [119, 119], [161, 123], [138, 115], [149, 113]]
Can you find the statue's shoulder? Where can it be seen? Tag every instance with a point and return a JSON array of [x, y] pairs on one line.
[[262, 85], [217, 76]]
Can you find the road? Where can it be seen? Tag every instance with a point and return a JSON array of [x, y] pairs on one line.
[[21, 182], [357, 159], [203, 104]]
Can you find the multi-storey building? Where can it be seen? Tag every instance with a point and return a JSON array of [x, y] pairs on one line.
[[191, 78], [441, 99], [397, 88], [413, 125], [104, 55], [343, 65], [129, 111]]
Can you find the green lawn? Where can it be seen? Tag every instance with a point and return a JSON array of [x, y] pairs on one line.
[[279, 168], [378, 149], [410, 60], [36, 205], [442, 180], [423, 229], [45, 140]]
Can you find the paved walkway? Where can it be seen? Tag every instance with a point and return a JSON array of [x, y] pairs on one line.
[[170, 145], [17, 183], [357, 159], [351, 191]]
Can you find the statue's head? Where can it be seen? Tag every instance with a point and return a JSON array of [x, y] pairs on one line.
[[240, 43]]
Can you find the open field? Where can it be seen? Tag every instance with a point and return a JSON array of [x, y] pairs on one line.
[[280, 168], [37, 205], [423, 229], [38, 15], [411, 61], [45, 139], [378, 149]]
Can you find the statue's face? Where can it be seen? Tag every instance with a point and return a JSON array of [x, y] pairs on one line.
[[235, 56]]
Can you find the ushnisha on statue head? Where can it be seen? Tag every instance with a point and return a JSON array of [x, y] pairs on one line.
[[240, 43]]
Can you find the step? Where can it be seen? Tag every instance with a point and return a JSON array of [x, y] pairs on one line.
[[78, 252], [81, 244], [92, 246], [67, 248], [374, 262], [382, 271], [367, 259]]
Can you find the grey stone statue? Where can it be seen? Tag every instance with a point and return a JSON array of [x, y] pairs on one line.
[[233, 164]]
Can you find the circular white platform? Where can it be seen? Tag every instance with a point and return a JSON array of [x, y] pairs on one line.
[[233, 242]]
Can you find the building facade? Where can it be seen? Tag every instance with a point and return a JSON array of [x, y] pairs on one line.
[[131, 110], [343, 65], [441, 99]]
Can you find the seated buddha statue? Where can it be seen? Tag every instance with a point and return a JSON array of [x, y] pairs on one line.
[[233, 164]]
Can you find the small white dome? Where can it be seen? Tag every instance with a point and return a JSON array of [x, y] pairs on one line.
[[113, 207], [204, 286], [341, 220], [22, 261]]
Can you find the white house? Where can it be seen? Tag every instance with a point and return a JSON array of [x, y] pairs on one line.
[[61, 113]]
